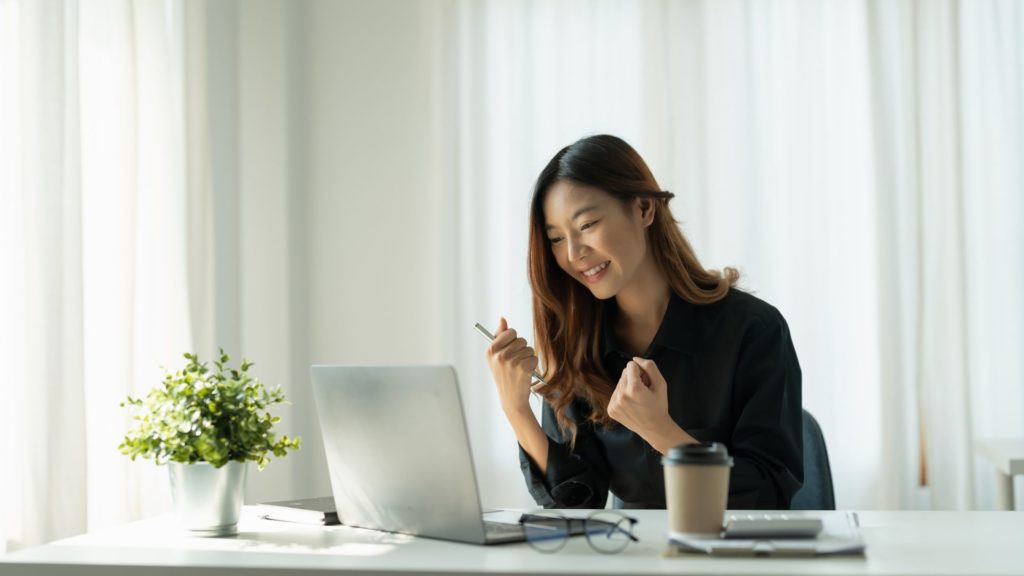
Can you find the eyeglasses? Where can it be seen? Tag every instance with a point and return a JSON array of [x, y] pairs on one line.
[[607, 531]]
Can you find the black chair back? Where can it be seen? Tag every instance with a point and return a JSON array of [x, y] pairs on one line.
[[816, 493]]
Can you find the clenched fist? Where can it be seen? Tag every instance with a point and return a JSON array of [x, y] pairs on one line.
[[640, 400], [512, 363]]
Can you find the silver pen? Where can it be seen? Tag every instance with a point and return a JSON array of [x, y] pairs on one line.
[[536, 375]]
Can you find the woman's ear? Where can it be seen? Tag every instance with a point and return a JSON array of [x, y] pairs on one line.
[[645, 207]]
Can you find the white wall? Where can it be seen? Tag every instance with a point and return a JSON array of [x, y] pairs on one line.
[[374, 204], [340, 193]]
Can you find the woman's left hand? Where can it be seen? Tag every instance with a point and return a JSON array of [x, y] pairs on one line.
[[640, 403]]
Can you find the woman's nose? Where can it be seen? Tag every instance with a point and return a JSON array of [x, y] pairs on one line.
[[577, 250]]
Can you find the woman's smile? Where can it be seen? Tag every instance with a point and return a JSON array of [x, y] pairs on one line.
[[595, 274]]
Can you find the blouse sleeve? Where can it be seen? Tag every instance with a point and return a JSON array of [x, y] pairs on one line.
[[767, 440], [574, 479]]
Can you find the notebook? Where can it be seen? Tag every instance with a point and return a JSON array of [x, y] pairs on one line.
[[304, 511]]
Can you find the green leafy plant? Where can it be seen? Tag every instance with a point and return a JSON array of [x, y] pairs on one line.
[[203, 415]]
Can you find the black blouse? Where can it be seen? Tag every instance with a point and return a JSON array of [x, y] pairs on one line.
[[733, 377]]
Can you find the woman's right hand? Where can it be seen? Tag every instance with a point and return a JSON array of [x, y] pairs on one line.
[[512, 363]]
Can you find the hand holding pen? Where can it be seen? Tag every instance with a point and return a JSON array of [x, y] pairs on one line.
[[514, 366]]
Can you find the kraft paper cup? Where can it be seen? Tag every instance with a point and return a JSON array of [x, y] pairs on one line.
[[696, 489]]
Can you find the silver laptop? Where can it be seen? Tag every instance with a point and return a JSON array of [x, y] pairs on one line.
[[399, 454]]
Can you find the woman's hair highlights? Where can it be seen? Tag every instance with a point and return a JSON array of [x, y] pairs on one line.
[[566, 316]]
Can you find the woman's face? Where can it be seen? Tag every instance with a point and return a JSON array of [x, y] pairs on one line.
[[595, 238]]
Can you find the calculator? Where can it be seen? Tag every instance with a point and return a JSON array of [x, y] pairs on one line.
[[771, 526]]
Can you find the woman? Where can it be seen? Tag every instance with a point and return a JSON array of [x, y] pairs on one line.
[[642, 348]]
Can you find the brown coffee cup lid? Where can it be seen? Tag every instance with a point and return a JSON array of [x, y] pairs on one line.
[[703, 453]]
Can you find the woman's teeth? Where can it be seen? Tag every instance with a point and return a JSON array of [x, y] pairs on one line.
[[595, 269]]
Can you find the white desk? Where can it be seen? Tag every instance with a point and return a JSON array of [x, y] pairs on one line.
[[1007, 455], [898, 543]]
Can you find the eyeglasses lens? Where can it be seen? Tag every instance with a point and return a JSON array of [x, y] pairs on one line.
[[608, 532], [546, 531]]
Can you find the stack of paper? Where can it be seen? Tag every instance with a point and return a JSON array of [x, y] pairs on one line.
[[840, 535]]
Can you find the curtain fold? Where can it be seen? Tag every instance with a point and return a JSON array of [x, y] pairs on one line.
[[40, 308], [894, 142], [942, 336]]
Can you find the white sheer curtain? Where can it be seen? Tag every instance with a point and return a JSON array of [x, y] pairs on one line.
[[145, 212], [990, 68], [94, 297]]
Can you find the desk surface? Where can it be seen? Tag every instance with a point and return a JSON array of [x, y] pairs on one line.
[[897, 543]]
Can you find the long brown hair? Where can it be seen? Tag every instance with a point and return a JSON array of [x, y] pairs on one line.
[[566, 316]]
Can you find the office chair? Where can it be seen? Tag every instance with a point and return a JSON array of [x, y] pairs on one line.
[[816, 493]]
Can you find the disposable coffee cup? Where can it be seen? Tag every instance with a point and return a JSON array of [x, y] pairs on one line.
[[696, 489]]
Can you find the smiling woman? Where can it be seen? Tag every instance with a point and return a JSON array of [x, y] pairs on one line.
[[178, 174], [643, 348]]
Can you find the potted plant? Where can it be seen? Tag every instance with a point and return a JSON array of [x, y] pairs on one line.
[[206, 425]]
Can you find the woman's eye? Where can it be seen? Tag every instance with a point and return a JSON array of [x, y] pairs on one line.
[[555, 240], [588, 225]]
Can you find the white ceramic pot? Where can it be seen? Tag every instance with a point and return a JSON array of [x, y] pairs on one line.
[[208, 500]]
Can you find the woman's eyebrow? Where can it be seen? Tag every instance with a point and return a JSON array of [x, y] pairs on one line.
[[575, 215]]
